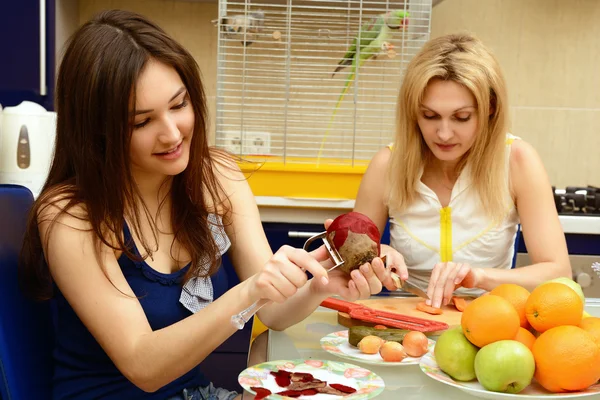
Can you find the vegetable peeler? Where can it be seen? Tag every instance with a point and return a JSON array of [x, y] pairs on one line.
[[334, 255], [390, 319]]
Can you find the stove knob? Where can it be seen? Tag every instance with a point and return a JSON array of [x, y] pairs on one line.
[[584, 280]]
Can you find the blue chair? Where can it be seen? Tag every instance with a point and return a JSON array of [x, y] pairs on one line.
[[26, 335]]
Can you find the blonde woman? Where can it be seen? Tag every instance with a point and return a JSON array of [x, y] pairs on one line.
[[455, 184]]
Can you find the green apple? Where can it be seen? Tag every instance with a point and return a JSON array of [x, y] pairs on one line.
[[505, 366], [455, 355]]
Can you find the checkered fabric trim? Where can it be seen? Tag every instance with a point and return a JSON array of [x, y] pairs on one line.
[[197, 293]]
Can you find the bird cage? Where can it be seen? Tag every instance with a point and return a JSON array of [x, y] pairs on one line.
[[291, 91]]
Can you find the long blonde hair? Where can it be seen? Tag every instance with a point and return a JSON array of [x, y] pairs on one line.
[[464, 59]]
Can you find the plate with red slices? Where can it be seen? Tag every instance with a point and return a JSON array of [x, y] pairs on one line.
[[310, 380]]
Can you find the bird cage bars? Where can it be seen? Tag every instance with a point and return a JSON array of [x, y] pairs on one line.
[[286, 84]]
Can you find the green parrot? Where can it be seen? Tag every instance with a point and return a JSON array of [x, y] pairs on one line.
[[374, 36]]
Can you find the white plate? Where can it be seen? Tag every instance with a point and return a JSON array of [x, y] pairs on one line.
[[337, 343], [367, 383], [474, 388]]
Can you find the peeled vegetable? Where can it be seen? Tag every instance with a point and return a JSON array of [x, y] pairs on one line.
[[356, 238]]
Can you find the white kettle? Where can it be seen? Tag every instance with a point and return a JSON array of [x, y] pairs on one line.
[[27, 135]]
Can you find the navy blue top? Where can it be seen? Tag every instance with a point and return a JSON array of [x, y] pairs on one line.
[[82, 368]]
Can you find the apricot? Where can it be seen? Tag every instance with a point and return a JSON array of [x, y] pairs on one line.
[[392, 352], [370, 344]]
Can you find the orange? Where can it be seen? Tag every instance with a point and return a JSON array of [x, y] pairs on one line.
[[525, 337], [566, 359], [553, 304], [488, 319], [517, 296], [592, 326]]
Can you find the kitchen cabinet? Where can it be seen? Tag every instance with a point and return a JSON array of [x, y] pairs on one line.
[[577, 244], [27, 69]]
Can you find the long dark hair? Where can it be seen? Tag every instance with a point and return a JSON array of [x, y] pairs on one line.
[[90, 168]]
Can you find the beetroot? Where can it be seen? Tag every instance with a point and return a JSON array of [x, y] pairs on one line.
[[282, 377], [342, 388], [261, 393], [356, 238], [290, 393], [298, 393], [302, 377], [302, 384]]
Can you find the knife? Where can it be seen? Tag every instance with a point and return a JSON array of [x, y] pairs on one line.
[[407, 285], [414, 289]]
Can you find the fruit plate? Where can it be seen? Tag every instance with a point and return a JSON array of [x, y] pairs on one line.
[[337, 343], [474, 388], [367, 383]]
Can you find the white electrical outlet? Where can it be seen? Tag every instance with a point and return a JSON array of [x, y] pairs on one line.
[[250, 143], [231, 141], [257, 143]]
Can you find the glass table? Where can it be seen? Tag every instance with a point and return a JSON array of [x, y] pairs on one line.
[[302, 341]]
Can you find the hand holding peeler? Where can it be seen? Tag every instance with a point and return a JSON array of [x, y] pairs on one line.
[[239, 320]]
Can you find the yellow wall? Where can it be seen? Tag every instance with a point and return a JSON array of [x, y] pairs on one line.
[[549, 50]]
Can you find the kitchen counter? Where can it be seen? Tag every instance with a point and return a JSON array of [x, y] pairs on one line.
[[315, 211]]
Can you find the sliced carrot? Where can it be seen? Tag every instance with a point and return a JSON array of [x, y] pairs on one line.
[[460, 303], [428, 309], [382, 327]]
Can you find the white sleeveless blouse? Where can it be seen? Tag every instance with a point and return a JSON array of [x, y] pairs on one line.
[[427, 233]]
